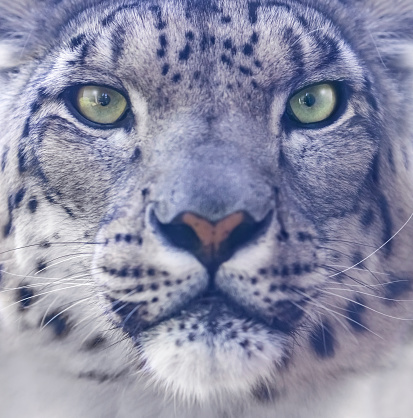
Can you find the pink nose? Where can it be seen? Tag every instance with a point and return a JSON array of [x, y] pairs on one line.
[[212, 235]]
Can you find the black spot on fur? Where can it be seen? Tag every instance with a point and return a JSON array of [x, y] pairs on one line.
[[94, 343], [367, 217], [248, 49], [41, 265], [227, 43], [355, 310], [226, 19], [390, 159], [163, 42], [34, 107], [25, 297], [322, 340], [226, 60], [32, 205], [395, 288], [7, 228], [286, 315], [185, 53], [263, 393], [252, 11], [4, 159], [156, 10], [254, 38], [136, 154], [19, 197], [58, 323], [245, 70], [165, 69], [190, 35], [356, 258], [176, 78]]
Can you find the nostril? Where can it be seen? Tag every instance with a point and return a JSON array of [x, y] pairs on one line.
[[181, 236], [212, 242]]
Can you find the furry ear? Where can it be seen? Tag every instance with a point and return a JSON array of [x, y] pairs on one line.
[[19, 31], [390, 24], [391, 19]]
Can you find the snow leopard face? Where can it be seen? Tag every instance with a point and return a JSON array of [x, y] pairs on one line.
[[219, 193]]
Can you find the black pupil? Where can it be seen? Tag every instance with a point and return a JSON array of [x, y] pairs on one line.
[[308, 99], [104, 99]]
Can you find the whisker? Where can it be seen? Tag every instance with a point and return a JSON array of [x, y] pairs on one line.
[[366, 306], [71, 257], [378, 249], [63, 311]]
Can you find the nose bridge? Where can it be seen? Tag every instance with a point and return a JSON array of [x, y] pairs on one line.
[[213, 175]]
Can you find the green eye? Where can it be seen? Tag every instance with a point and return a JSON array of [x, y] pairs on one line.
[[101, 105], [313, 104]]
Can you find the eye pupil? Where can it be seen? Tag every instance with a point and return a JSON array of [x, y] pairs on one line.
[[104, 99], [308, 100]]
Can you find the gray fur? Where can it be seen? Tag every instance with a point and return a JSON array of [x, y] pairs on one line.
[[99, 313]]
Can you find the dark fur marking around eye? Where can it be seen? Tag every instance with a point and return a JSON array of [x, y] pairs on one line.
[[77, 40], [322, 340], [25, 297], [197, 74], [355, 310], [304, 236], [185, 53], [387, 222], [83, 53], [226, 19], [118, 43], [58, 323], [367, 217]]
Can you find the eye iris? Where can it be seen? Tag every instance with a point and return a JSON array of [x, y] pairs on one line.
[[308, 100], [101, 105], [313, 104]]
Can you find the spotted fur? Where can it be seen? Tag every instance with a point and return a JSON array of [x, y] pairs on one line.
[[105, 310]]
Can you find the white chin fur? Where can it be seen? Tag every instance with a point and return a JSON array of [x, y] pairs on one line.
[[212, 368]]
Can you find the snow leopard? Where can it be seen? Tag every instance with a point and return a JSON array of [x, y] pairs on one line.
[[206, 208]]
